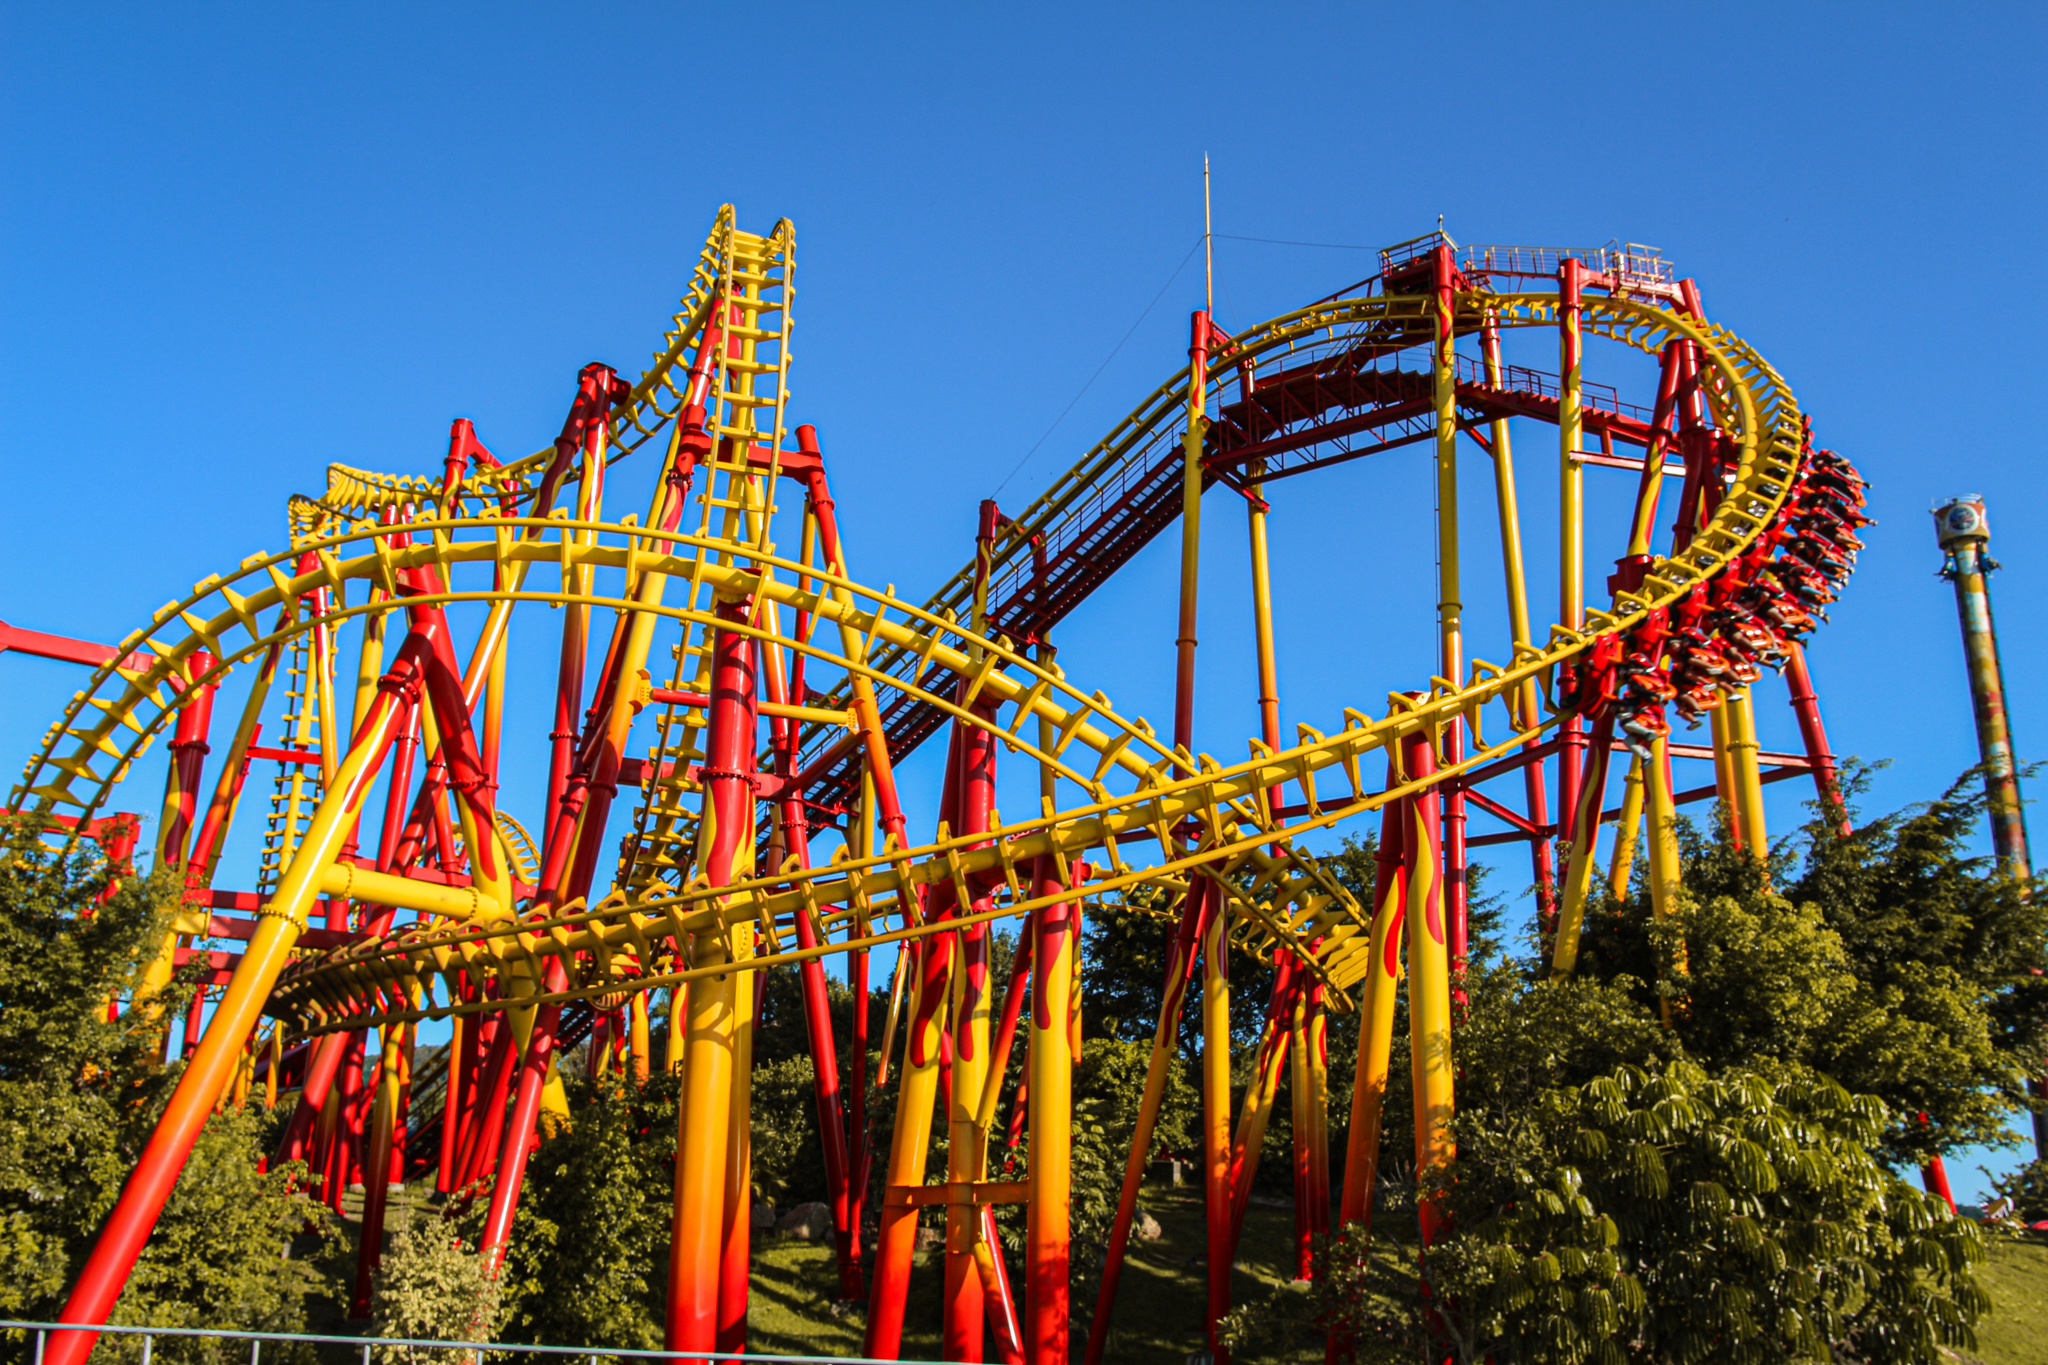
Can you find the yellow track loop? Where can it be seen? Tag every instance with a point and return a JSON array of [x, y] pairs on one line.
[[1200, 816], [1745, 396]]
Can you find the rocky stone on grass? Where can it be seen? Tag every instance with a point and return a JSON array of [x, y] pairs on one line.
[[806, 1223]]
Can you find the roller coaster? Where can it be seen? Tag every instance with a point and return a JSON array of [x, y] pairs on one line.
[[752, 702]]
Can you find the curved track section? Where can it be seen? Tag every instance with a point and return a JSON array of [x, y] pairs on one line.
[[794, 691]]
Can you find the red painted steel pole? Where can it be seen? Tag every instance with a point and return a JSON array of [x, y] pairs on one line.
[[1191, 534], [1196, 907], [1806, 706], [189, 750], [387, 1134], [533, 1079], [966, 1313], [479, 1156]]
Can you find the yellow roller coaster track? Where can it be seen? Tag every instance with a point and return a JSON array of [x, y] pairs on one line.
[[714, 880], [225, 617]]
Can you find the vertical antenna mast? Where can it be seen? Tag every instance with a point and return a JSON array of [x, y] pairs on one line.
[[1208, 255]]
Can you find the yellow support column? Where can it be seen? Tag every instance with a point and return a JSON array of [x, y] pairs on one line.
[[702, 1139], [1376, 1022], [1051, 1067], [1625, 829], [737, 1232], [1745, 780], [909, 1145], [1663, 839], [1216, 1060], [1429, 988]]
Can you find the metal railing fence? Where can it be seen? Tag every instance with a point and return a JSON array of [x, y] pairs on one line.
[[476, 1350]]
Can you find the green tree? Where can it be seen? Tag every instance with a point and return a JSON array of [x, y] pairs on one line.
[[80, 1094], [1660, 1216], [587, 1263], [1889, 959], [432, 1286]]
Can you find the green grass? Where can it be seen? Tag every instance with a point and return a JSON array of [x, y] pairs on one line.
[[2016, 1333], [1159, 1301]]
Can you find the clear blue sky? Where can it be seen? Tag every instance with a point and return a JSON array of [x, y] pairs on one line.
[[242, 242]]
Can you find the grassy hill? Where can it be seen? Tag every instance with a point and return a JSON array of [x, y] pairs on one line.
[[2017, 1331], [1164, 1286]]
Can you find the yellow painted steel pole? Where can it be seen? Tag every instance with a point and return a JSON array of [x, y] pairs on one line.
[[703, 1118], [909, 1145], [1625, 829], [1450, 606], [1376, 1022], [1429, 989], [1508, 510], [1262, 615], [736, 1233], [1190, 534], [1724, 771], [1050, 1071], [1216, 1117], [1664, 877], [1744, 777], [639, 1034], [1526, 703]]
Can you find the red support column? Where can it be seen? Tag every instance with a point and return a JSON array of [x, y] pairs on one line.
[[965, 1317], [533, 1077], [1806, 706], [188, 750]]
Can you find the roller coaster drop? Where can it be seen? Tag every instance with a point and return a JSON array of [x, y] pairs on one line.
[[394, 886]]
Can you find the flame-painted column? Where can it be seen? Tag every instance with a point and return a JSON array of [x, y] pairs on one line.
[[697, 1233], [1571, 534], [1216, 1059], [1376, 1017], [966, 1147], [1449, 606], [1051, 1071], [1429, 982]]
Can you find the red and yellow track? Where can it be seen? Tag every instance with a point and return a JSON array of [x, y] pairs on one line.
[[735, 701]]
